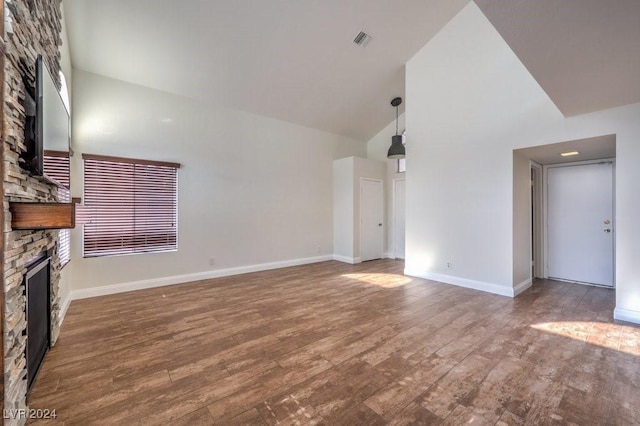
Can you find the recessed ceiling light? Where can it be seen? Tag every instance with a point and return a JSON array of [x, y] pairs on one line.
[[569, 154]]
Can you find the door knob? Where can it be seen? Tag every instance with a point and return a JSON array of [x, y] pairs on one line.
[[379, 224], [606, 222], [607, 230]]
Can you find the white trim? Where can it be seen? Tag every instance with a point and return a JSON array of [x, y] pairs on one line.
[[64, 307], [538, 220], [464, 282], [388, 255], [345, 259], [545, 221], [522, 286], [626, 315], [179, 279]]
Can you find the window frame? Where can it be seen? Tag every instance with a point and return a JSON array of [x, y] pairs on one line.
[[401, 165], [148, 220]]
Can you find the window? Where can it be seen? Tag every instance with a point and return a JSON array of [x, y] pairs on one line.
[[64, 235], [402, 165], [134, 206], [56, 164]]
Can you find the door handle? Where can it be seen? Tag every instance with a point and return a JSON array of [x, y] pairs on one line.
[[607, 230], [379, 224]]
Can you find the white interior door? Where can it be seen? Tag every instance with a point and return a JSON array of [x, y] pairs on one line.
[[398, 218], [580, 223], [371, 219]]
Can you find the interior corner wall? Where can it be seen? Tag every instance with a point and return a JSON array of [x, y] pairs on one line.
[[470, 103], [252, 190], [522, 238], [377, 148], [343, 208]]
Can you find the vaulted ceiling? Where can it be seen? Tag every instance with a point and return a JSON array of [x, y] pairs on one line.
[[295, 60], [585, 54]]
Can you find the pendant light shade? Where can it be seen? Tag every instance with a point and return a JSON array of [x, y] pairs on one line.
[[396, 150]]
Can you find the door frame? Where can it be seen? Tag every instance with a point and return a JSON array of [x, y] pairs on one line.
[[538, 207], [381, 182], [545, 235], [395, 225]]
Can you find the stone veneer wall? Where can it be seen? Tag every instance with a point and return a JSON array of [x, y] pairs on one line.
[[36, 30]]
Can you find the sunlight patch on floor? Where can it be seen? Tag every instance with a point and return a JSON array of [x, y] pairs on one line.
[[618, 337], [381, 280]]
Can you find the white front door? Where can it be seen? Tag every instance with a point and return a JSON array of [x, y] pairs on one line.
[[580, 223], [398, 217], [371, 219]]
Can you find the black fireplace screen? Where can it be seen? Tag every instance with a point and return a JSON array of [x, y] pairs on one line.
[[37, 287]]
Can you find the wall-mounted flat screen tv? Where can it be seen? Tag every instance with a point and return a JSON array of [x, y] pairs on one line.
[[47, 131]]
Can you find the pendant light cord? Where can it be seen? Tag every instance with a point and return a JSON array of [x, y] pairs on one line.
[[396, 121]]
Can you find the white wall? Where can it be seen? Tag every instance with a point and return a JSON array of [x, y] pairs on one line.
[[65, 55], [521, 219], [625, 123], [377, 148], [343, 206], [470, 103], [465, 112], [65, 64], [252, 190]]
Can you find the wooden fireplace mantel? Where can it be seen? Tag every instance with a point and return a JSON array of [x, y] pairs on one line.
[[26, 215]]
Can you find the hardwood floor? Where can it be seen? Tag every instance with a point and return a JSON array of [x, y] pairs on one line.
[[333, 343]]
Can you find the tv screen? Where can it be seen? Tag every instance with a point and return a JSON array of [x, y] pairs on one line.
[[47, 130]]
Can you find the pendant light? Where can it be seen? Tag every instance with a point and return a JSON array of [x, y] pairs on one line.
[[397, 148]]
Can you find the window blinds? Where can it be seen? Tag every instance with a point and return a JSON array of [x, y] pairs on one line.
[[134, 206], [57, 166], [64, 235]]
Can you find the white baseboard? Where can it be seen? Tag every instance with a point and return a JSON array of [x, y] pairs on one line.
[[179, 279], [522, 286], [626, 315], [388, 255], [464, 282], [345, 259], [64, 306]]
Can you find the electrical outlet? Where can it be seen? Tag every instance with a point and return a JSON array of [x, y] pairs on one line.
[[212, 261], [449, 265]]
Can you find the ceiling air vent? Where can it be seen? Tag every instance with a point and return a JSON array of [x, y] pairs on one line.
[[362, 39]]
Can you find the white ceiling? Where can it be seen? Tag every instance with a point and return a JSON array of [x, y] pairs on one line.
[[584, 53], [293, 60], [596, 148]]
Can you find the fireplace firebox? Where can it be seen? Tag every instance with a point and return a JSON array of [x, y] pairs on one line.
[[38, 295]]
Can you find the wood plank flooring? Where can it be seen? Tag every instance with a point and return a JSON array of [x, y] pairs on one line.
[[332, 343]]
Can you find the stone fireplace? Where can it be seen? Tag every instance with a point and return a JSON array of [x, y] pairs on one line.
[[35, 28]]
